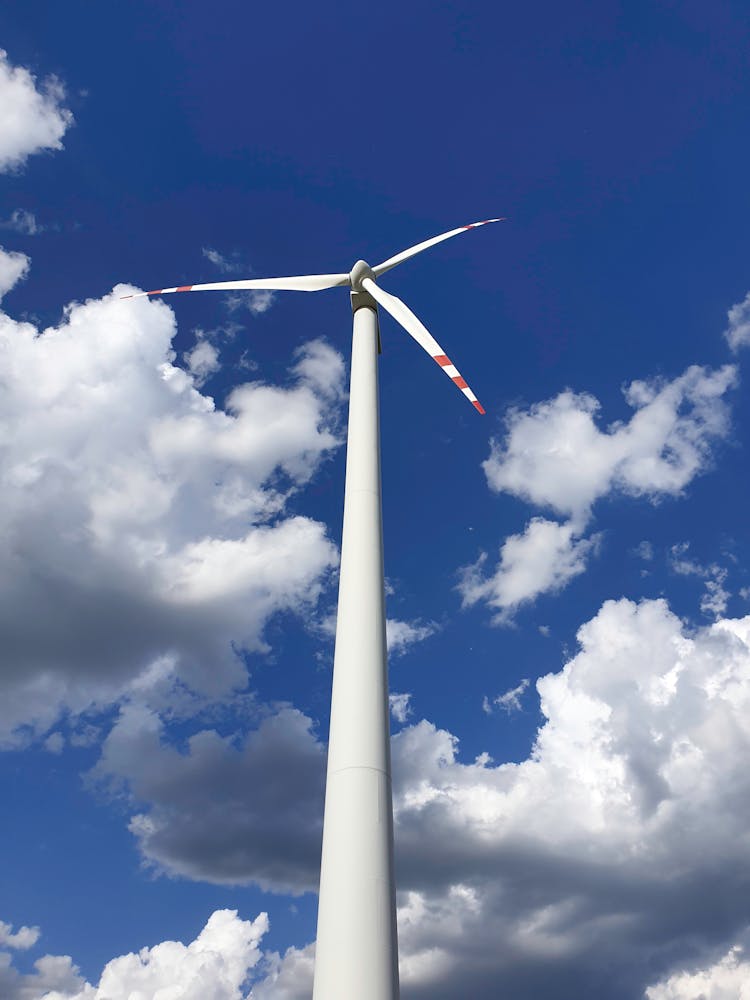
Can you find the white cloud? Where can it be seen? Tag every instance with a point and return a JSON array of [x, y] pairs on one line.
[[202, 360], [32, 117], [51, 972], [737, 334], [257, 302], [319, 365], [55, 743], [139, 524], [224, 962], [400, 707], [554, 455], [21, 221], [606, 855], [543, 559], [613, 848], [400, 635], [215, 966], [14, 267], [727, 979], [287, 978], [715, 596], [510, 701], [23, 938], [645, 550], [219, 260]]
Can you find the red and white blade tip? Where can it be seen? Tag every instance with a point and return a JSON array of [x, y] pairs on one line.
[[455, 376], [484, 222]]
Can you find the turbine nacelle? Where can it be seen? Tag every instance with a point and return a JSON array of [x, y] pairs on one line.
[[358, 273], [361, 280]]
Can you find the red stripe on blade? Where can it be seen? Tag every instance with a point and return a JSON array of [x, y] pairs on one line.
[[156, 291], [460, 382], [442, 360], [478, 405], [184, 288]]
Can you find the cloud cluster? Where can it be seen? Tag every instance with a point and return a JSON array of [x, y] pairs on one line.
[[51, 972], [32, 116], [142, 529], [727, 979], [608, 853], [555, 456], [600, 859], [221, 963], [214, 966], [715, 595]]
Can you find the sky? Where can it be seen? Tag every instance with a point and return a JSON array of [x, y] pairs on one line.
[[568, 576]]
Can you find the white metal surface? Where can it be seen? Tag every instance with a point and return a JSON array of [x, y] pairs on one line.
[[356, 951], [298, 283], [403, 315], [399, 258]]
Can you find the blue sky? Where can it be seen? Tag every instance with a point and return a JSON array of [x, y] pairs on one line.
[[568, 584]]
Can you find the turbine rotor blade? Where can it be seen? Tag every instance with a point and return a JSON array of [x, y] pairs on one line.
[[399, 258], [300, 283], [403, 315]]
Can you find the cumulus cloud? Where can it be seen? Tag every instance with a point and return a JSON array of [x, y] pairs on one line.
[[727, 979], [202, 360], [32, 115], [737, 333], [223, 810], [322, 367], [14, 267], [52, 973], [287, 978], [607, 854], [23, 938], [602, 858], [215, 966], [555, 456], [142, 529], [543, 559], [225, 961]]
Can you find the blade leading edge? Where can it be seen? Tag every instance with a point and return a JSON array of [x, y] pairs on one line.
[[300, 283], [403, 315], [399, 258]]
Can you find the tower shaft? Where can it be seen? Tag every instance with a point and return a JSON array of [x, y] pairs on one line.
[[357, 950]]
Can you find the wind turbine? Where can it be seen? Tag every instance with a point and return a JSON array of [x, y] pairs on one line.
[[357, 950]]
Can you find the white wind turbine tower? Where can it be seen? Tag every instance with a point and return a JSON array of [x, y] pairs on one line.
[[357, 951]]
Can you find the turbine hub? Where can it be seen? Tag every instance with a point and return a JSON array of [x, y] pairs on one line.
[[358, 273]]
